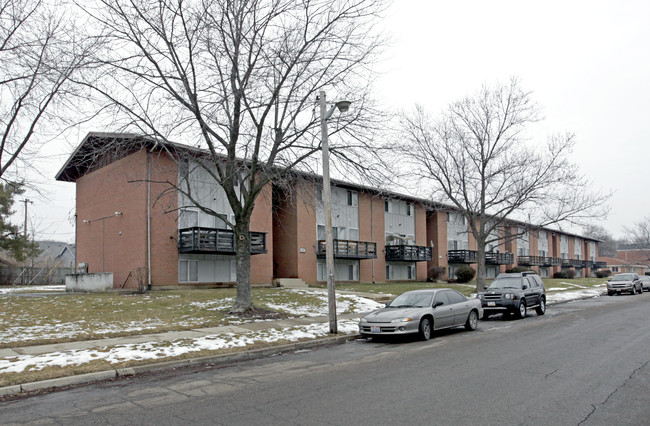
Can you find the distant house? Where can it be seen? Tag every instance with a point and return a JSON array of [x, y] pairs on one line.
[[635, 253], [55, 254], [617, 265], [55, 260]]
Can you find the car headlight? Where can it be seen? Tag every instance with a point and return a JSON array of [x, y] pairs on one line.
[[363, 319], [405, 319], [508, 296]]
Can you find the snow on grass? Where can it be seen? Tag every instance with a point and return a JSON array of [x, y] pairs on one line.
[[572, 295], [32, 289], [151, 350], [345, 303]]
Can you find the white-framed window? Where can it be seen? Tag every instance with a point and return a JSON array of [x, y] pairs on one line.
[[409, 208], [188, 218], [188, 271]]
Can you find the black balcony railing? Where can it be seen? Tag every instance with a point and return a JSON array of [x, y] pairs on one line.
[[587, 264], [462, 256], [346, 249], [530, 260], [217, 241], [599, 265], [494, 258], [407, 253], [571, 263], [551, 261]]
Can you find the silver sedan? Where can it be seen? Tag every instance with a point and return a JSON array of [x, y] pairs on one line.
[[422, 311]]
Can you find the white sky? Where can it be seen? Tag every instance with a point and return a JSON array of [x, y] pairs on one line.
[[587, 63]]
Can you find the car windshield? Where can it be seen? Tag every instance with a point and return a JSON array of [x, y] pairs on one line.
[[506, 282], [623, 277], [411, 300]]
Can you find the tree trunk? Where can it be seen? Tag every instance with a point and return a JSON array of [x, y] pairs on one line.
[[480, 266], [244, 299]]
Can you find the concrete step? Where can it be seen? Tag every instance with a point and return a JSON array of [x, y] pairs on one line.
[[290, 283]]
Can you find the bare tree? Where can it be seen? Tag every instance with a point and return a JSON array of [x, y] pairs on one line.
[[639, 233], [607, 243], [476, 157], [40, 50], [239, 78]]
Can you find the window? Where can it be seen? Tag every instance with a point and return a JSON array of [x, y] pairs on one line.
[[351, 272], [408, 209], [455, 297], [188, 219], [351, 198], [188, 270], [441, 296], [409, 273], [387, 272]]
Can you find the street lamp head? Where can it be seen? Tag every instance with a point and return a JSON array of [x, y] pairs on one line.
[[343, 106], [118, 213]]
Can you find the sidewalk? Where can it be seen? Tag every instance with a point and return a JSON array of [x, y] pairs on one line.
[[157, 365]]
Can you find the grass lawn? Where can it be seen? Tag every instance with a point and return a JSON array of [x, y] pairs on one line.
[[55, 318]]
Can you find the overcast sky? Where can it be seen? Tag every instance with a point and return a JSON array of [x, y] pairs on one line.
[[586, 62]]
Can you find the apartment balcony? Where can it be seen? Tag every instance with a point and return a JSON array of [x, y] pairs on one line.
[[551, 261], [462, 256], [346, 249], [201, 240], [494, 258], [571, 263], [587, 264], [599, 265], [530, 260], [407, 253]]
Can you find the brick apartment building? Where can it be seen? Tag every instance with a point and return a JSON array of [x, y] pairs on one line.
[[128, 217]]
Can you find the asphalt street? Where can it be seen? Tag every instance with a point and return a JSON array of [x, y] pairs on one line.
[[583, 363]]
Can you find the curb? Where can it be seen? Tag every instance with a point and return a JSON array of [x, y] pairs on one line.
[[222, 359]]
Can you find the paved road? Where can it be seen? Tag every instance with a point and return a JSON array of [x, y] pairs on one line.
[[584, 363]]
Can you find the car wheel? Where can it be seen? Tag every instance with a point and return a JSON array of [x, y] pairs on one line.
[[521, 312], [425, 329], [541, 309], [610, 293], [472, 321]]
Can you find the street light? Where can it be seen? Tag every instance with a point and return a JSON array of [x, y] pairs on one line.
[[325, 115]]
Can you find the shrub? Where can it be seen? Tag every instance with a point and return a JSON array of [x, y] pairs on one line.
[[517, 269], [465, 273], [603, 274], [561, 274], [436, 272], [571, 273]]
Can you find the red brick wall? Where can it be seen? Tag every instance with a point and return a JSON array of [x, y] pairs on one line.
[[285, 232], [118, 243], [437, 232], [164, 225], [306, 235], [421, 240], [372, 228], [262, 221]]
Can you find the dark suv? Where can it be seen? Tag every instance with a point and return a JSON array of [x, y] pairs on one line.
[[514, 293]]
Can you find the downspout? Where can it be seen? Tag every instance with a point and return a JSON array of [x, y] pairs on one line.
[[148, 221], [372, 237]]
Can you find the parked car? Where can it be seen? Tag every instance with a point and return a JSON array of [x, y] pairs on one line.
[[514, 293], [422, 311], [645, 282], [621, 283]]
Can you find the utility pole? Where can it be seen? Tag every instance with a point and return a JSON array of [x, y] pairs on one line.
[[26, 200]]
